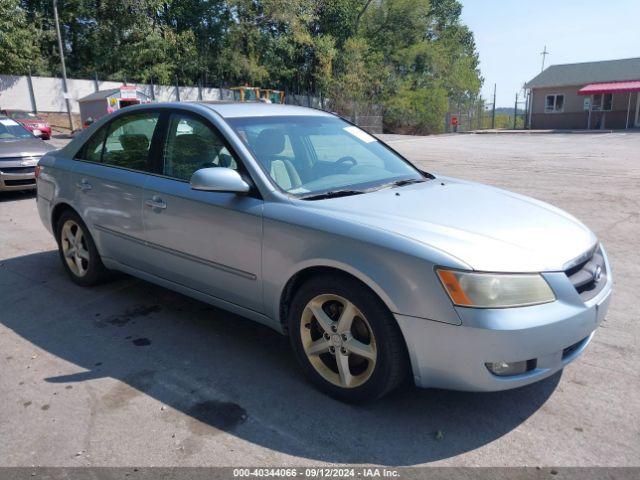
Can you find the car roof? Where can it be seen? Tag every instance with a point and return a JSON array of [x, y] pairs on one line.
[[235, 110]]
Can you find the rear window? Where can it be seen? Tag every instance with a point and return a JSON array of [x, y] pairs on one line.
[[92, 150]]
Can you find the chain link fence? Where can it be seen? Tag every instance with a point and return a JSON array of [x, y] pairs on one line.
[[480, 115], [367, 116]]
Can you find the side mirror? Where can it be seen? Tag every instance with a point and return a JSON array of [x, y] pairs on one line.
[[219, 179]]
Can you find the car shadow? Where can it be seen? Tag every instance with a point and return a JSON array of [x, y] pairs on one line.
[[217, 371], [14, 195]]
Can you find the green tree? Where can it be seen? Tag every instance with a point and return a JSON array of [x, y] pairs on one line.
[[430, 57], [18, 40], [411, 56]]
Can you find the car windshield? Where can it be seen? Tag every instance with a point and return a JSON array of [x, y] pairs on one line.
[[21, 114], [308, 156], [12, 130]]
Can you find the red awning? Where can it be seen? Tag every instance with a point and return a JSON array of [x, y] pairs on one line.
[[610, 87]]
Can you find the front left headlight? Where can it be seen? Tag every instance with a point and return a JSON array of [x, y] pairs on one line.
[[495, 290]]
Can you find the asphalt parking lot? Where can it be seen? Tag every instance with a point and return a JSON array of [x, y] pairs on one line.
[[132, 374]]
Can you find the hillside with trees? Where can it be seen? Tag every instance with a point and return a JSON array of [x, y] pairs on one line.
[[410, 56]]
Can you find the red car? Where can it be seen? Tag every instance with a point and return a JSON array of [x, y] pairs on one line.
[[31, 122]]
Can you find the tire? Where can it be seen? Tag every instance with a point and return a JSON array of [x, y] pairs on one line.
[[370, 347], [84, 266]]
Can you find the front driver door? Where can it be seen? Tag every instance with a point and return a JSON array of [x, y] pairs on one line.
[[208, 241]]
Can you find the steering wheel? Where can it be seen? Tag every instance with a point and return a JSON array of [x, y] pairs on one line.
[[347, 159]]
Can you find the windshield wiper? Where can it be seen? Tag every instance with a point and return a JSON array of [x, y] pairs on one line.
[[401, 183], [333, 194], [346, 192]]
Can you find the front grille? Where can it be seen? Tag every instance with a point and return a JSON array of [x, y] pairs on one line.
[[17, 170], [16, 183], [584, 278]]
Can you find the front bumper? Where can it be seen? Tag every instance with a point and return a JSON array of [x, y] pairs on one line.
[[554, 334]]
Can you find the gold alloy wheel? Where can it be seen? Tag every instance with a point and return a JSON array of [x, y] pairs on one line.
[[74, 248], [338, 341]]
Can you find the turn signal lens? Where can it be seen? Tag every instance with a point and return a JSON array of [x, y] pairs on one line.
[[495, 290]]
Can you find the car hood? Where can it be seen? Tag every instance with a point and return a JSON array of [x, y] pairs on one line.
[[24, 147], [29, 121], [486, 228]]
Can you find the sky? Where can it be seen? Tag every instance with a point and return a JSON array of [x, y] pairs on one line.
[[510, 34]]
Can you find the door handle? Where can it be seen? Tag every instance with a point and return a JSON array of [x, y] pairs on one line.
[[84, 185], [155, 203]]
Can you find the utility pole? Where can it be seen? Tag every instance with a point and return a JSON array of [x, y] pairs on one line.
[[493, 109], [515, 113], [32, 97], [526, 109], [544, 54], [153, 90], [64, 68]]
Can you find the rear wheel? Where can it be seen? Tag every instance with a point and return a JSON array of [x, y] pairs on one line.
[[78, 252], [346, 340]]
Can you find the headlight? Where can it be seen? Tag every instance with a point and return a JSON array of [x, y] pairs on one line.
[[495, 290]]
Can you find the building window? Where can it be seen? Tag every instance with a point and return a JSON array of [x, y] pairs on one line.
[[602, 102], [554, 103]]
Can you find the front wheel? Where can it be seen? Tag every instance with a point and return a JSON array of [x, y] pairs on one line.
[[78, 252], [346, 340]]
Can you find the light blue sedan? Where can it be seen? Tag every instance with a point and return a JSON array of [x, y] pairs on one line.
[[302, 221]]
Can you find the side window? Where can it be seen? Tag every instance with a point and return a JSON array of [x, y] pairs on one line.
[[92, 149], [602, 102], [129, 141], [554, 103], [192, 145], [550, 103]]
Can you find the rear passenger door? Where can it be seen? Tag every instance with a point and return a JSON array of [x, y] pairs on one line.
[[111, 172], [207, 241]]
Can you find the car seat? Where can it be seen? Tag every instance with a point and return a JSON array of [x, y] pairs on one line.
[[268, 147]]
